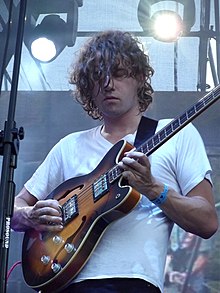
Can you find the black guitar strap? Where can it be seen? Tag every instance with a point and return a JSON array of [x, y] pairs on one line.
[[146, 130]]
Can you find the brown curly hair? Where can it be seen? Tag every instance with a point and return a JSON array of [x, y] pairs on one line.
[[100, 58]]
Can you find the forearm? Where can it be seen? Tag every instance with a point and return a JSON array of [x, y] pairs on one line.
[[194, 214], [20, 220]]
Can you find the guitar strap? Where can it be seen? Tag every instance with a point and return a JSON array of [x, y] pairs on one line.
[[146, 130]]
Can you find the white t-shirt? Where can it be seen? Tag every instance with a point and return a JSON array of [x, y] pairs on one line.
[[135, 245]]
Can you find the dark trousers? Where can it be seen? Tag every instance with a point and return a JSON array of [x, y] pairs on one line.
[[114, 285]]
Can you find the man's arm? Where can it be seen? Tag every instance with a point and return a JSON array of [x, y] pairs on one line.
[[194, 213]]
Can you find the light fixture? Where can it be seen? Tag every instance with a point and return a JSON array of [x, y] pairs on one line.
[[48, 38], [166, 25], [43, 49], [57, 29]]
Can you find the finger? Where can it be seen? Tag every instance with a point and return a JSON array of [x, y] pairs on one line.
[[138, 156], [128, 163], [48, 228], [47, 207], [48, 203], [128, 175], [39, 211], [45, 215], [47, 219], [45, 223]]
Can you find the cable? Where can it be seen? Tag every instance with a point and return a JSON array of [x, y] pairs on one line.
[[12, 268]]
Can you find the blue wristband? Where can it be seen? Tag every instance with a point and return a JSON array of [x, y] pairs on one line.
[[162, 197]]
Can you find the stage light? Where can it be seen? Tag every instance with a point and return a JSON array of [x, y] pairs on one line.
[[50, 27], [166, 25], [43, 49], [48, 38]]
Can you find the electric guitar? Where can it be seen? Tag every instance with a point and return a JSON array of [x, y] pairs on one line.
[[89, 204]]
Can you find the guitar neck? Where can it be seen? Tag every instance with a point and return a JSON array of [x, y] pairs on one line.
[[178, 123]]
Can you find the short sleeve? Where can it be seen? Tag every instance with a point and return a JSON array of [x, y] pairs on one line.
[[192, 164]]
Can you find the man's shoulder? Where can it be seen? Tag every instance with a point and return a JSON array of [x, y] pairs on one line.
[[81, 134]]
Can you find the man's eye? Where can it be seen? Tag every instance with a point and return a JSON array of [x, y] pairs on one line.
[[97, 74], [120, 73]]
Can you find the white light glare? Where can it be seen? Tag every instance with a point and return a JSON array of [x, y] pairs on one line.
[[167, 27], [43, 49]]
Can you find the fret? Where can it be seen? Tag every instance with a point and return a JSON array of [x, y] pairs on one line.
[[156, 140], [175, 124], [190, 112], [150, 144], [142, 148], [168, 130], [162, 135], [146, 148], [207, 99], [199, 105], [183, 118], [114, 174]]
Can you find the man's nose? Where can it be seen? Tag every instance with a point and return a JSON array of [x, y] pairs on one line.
[[108, 84]]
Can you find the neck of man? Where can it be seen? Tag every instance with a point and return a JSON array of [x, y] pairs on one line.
[[115, 129]]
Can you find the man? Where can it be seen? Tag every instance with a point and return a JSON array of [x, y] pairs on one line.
[[112, 79]]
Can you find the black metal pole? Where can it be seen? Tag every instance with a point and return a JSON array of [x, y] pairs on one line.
[[217, 29], [10, 146]]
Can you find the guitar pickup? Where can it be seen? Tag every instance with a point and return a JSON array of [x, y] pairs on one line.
[[69, 209], [100, 187]]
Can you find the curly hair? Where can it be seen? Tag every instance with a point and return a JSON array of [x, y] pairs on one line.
[[99, 60]]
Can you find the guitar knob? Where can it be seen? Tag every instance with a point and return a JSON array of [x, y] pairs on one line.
[[57, 239], [45, 259], [56, 267], [69, 247]]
